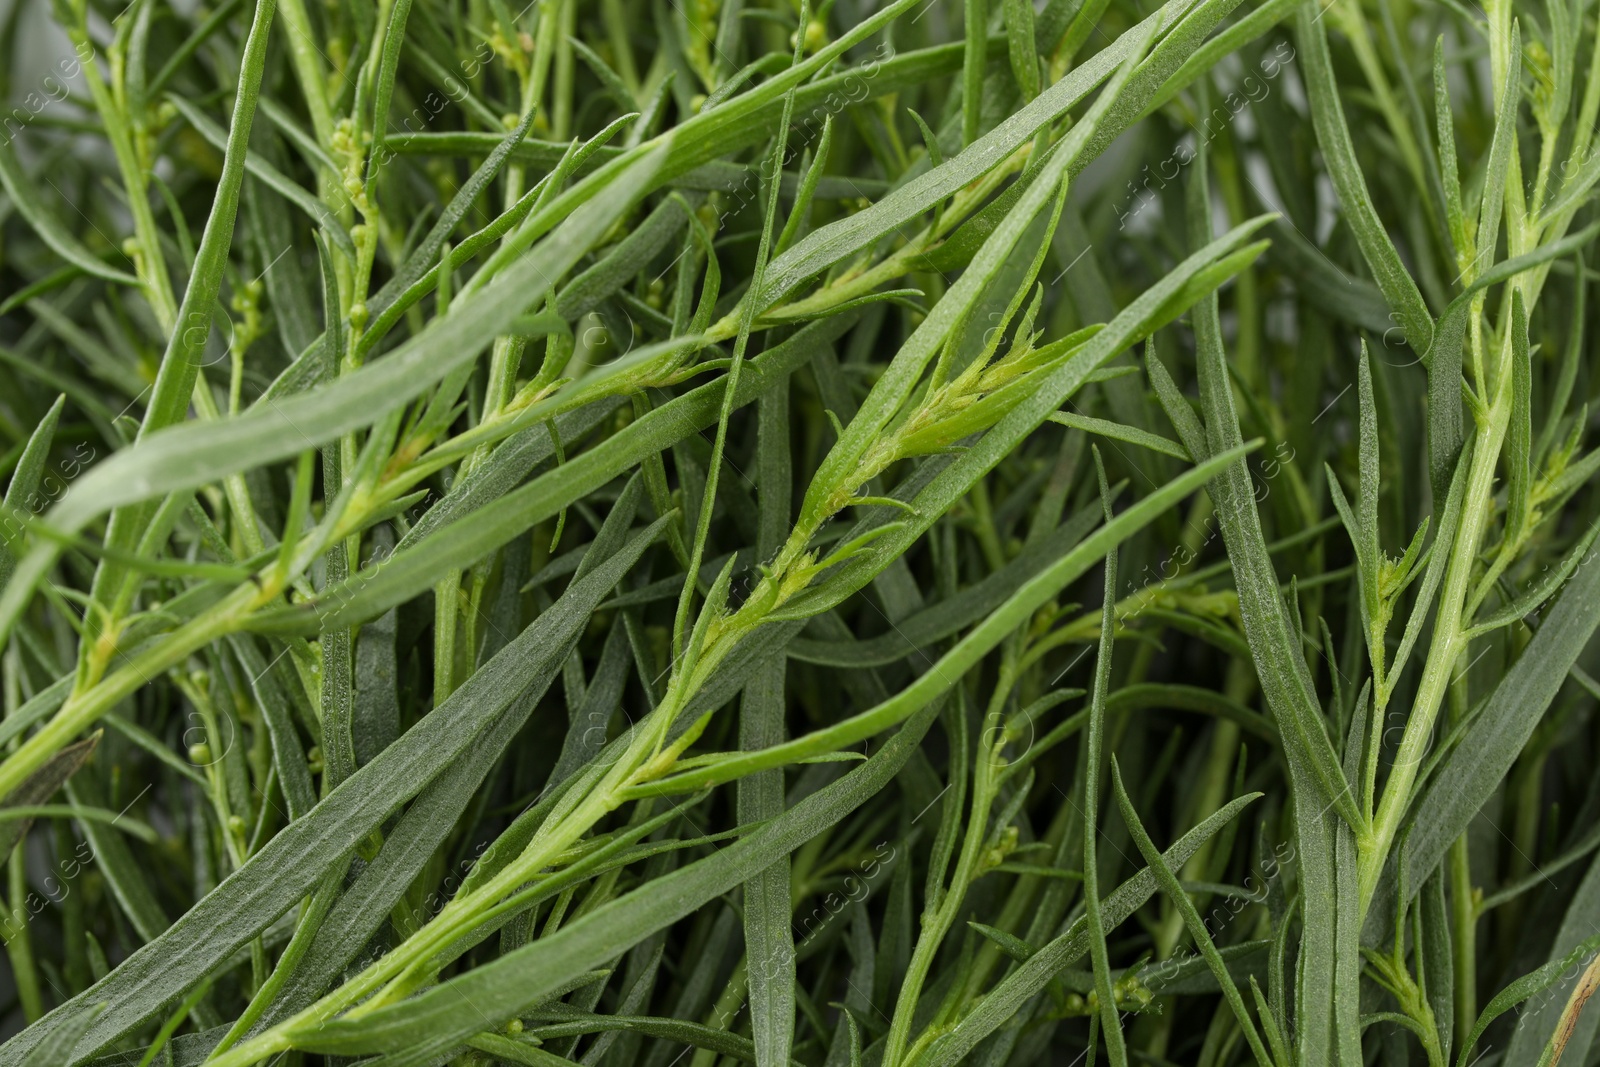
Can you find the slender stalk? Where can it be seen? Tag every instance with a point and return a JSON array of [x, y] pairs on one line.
[[968, 867], [86, 706], [19, 938], [1449, 635]]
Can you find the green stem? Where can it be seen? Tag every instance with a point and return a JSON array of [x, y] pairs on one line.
[[390, 978], [1464, 935], [19, 942], [1211, 794], [1449, 638], [973, 62], [725, 1011], [308, 70], [938, 924], [316, 909], [151, 265], [1463, 901], [238, 493], [85, 706]]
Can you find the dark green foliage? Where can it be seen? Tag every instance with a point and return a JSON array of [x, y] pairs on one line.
[[904, 534]]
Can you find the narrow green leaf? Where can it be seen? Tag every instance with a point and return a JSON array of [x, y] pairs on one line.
[[1110, 1016], [1500, 150], [277, 876], [966, 653], [269, 176], [1475, 767], [831, 243], [193, 455], [21, 494], [1519, 434], [1527, 986], [58, 1045], [1191, 917], [1333, 134], [1118, 432], [38, 788], [1030, 978], [419, 1029], [469, 537], [1024, 53], [768, 933], [22, 190]]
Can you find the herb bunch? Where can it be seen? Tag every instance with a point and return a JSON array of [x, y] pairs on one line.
[[899, 534]]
